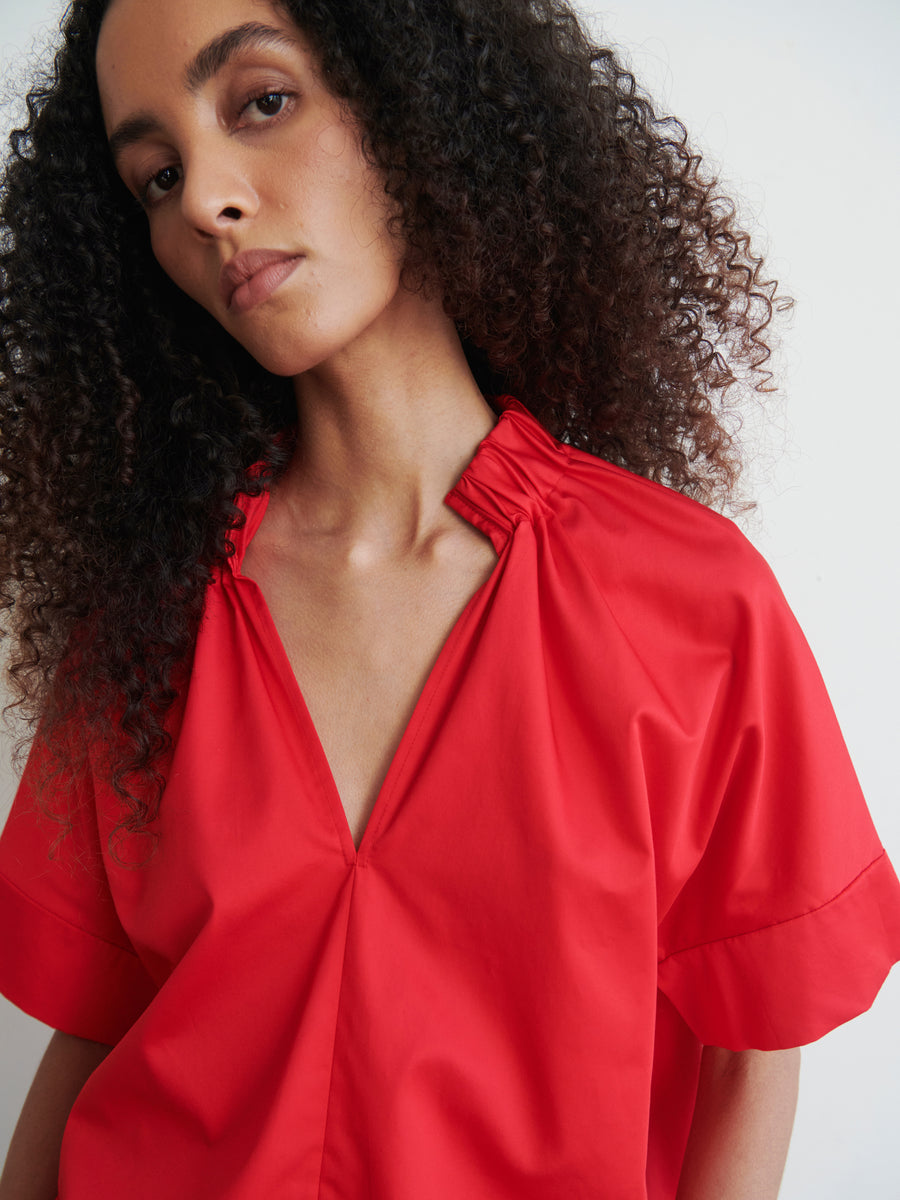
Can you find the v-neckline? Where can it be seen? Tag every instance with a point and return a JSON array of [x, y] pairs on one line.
[[411, 730], [486, 523]]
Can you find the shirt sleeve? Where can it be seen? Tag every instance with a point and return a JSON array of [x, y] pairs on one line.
[[64, 957], [788, 921]]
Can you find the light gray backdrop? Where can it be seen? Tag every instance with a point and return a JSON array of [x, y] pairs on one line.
[[797, 103]]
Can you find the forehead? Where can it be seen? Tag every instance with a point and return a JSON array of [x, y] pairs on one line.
[[150, 43]]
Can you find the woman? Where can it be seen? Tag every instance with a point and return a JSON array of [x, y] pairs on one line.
[[432, 791]]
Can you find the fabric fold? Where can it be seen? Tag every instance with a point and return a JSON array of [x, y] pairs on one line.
[[68, 978], [790, 983]]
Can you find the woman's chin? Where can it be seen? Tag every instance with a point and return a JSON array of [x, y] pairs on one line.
[[283, 357]]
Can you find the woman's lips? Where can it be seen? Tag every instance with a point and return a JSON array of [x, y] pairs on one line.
[[250, 277]]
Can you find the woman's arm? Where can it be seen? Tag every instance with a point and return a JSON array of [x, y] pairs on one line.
[[32, 1165], [742, 1125]]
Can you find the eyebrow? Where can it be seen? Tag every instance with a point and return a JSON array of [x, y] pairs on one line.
[[205, 64], [132, 130], [218, 53]]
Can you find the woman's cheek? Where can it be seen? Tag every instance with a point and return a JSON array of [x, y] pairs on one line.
[[178, 269]]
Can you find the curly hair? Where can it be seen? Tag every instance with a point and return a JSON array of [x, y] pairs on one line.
[[593, 268]]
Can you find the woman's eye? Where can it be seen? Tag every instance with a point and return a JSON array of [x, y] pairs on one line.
[[263, 108], [160, 183]]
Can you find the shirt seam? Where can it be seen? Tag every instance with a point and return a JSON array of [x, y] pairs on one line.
[[64, 920], [542, 496], [337, 1020], [557, 483], [240, 536], [433, 683], [265, 628], [733, 937]]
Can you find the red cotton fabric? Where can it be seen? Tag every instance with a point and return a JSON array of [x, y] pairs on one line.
[[621, 823]]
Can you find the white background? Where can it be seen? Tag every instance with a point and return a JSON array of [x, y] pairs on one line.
[[796, 103]]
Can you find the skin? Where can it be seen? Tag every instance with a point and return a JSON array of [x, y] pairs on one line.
[[356, 547], [32, 1164], [259, 156], [742, 1125]]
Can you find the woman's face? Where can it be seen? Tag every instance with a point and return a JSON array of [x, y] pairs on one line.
[[260, 204]]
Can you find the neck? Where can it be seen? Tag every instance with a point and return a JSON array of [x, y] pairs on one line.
[[385, 429]]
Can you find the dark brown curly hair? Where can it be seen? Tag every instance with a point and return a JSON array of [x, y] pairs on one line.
[[592, 267]]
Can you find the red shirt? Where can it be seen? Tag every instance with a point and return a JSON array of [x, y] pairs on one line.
[[620, 823]]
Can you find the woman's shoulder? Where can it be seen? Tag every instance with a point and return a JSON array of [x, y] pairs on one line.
[[633, 528]]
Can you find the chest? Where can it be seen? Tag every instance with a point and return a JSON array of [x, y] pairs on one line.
[[361, 639]]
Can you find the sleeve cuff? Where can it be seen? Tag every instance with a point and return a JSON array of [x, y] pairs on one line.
[[64, 976], [790, 983]]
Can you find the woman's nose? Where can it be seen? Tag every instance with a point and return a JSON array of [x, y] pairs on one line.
[[216, 192]]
